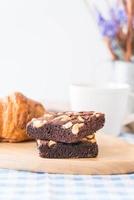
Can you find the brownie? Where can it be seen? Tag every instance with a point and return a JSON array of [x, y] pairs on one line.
[[67, 127], [86, 148]]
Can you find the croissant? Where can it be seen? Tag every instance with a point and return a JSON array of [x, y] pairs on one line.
[[16, 111]]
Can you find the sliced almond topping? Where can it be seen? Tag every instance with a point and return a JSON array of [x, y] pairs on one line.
[[81, 125], [59, 117], [97, 115], [65, 118], [39, 123], [50, 143], [85, 139], [89, 119], [90, 136], [75, 129], [80, 119], [38, 142], [93, 141], [47, 116], [33, 119], [68, 125]]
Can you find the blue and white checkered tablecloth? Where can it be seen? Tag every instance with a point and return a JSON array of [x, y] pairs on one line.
[[20, 185]]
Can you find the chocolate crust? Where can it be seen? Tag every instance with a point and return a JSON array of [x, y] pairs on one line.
[[83, 149], [66, 127]]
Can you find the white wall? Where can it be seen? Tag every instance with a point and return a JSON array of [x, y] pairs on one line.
[[45, 45]]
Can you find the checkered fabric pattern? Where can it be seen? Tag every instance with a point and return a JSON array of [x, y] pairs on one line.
[[20, 185]]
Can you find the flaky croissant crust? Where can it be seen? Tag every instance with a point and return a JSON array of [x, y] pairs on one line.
[[16, 111]]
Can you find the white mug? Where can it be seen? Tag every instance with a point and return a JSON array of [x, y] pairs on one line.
[[109, 98]]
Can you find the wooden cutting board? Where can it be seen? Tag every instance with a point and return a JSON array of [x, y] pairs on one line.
[[115, 157]]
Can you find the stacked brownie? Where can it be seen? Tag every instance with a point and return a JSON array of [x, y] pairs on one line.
[[66, 134]]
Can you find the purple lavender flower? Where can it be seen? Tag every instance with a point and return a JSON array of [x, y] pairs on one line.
[[116, 24], [109, 27]]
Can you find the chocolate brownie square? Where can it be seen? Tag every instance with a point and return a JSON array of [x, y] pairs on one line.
[[86, 148], [67, 127]]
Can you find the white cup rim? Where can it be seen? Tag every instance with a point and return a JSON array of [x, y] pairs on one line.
[[110, 86]]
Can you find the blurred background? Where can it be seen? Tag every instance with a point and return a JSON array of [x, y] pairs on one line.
[[45, 45]]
